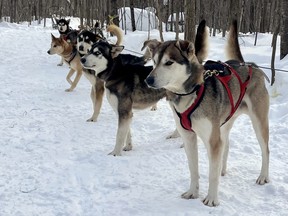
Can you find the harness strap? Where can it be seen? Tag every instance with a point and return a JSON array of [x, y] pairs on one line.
[[185, 119], [73, 54], [243, 86]]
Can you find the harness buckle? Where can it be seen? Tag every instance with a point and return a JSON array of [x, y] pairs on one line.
[[210, 73]]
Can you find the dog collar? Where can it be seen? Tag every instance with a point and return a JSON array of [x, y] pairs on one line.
[[73, 54], [185, 119]]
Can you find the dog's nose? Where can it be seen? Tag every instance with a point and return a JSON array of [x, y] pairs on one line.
[[48, 51], [83, 60], [150, 80], [81, 48]]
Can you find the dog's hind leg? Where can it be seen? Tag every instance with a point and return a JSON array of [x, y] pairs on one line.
[[259, 117], [225, 131]]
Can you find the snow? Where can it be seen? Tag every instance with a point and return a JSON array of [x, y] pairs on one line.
[[53, 162]]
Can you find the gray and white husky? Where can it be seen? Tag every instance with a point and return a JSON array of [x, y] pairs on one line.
[[206, 100]]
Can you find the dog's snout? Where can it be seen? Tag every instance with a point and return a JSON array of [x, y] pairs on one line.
[[150, 80], [48, 51], [83, 60]]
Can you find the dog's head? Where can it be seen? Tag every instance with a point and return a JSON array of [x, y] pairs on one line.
[[57, 45], [100, 56], [85, 40], [175, 65], [63, 25]]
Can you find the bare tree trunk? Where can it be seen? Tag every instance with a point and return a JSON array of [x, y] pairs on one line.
[[132, 15], [274, 44], [241, 14], [177, 9], [189, 33], [159, 13], [284, 30]]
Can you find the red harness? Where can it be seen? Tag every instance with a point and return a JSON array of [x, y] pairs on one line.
[[185, 118]]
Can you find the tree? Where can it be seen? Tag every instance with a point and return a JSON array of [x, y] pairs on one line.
[[284, 29], [189, 7], [132, 15]]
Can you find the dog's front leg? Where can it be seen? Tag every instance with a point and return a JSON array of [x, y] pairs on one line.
[[191, 149], [128, 146], [76, 80], [215, 151], [61, 62], [69, 75], [97, 92], [125, 119]]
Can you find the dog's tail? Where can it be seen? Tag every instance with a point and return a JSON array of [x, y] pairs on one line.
[[201, 41], [115, 30], [232, 47]]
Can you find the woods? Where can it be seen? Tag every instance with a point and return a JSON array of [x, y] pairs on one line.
[[253, 15]]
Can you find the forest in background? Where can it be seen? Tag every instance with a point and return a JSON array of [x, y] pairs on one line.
[[254, 16]]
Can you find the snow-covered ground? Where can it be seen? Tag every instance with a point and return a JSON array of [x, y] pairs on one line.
[[53, 162]]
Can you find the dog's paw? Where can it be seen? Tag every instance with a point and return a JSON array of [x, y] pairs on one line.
[[60, 64], [91, 119], [154, 107], [210, 201], [128, 147], [175, 134], [114, 153], [69, 90], [190, 194], [262, 180]]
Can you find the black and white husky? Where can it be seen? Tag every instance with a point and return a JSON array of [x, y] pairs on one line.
[[124, 76]]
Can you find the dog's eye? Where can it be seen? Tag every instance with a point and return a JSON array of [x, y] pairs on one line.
[[55, 46], [97, 53], [168, 63]]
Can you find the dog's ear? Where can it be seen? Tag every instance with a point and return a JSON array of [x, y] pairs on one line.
[[187, 47], [116, 50], [68, 21], [53, 37], [151, 44]]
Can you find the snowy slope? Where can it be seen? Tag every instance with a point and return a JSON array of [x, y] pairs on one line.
[[53, 162]]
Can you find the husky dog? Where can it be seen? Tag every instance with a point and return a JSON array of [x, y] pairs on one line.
[[71, 57], [84, 42], [67, 33], [206, 100], [125, 86]]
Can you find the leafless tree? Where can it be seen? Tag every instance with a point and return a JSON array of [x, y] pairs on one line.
[[284, 29]]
